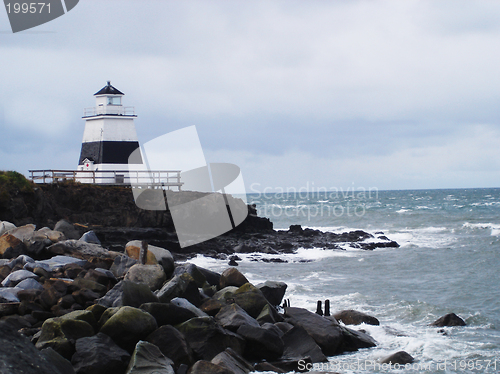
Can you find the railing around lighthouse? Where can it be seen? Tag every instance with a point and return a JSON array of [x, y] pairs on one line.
[[109, 110], [140, 178]]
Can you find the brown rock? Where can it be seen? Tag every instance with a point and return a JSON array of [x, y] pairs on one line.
[[133, 251], [232, 277]]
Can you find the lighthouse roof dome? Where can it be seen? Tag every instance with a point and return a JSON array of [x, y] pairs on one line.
[[109, 90]]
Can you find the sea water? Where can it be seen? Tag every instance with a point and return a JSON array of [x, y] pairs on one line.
[[448, 261]]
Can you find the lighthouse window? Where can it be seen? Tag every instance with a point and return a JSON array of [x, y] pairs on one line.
[[114, 100]]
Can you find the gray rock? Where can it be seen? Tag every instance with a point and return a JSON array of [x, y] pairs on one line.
[[261, 343], [151, 275], [450, 319], [299, 344], [60, 261], [126, 293], [326, 333], [207, 339], [63, 366], [180, 286], [401, 358], [128, 325], [19, 355], [61, 333], [172, 344], [121, 264], [232, 316], [9, 295], [353, 317], [107, 273], [80, 249], [168, 313], [183, 303], [90, 237], [225, 294], [99, 354], [67, 229], [273, 291], [147, 359], [192, 270], [29, 284], [22, 260], [17, 276], [353, 340], [232, 361], [6, 226], [23, 233]]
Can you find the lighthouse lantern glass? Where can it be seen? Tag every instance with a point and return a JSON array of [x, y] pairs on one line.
[[114, 100]]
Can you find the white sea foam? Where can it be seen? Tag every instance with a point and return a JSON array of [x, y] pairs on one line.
[[494, 227]]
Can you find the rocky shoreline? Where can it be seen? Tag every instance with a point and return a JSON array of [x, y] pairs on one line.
[[87, 309], [91, 284]]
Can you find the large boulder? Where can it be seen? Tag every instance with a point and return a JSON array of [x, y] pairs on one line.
[[273, 291], [180, 286], [450, 319], [147, 359], [151, 275], [353, 317], [232, 277], [168, 313], [61, 333], [162, 256], [250, 298], [207, 339], [353, 340], [261, 342], [325, 332], [99, 354], [232, 316], [126, 293], [128, 325], [192, 270], [232, 361], [299, 344], [19, 355], [172, 344]]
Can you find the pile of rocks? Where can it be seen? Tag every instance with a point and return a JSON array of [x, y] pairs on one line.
[[90, 310]]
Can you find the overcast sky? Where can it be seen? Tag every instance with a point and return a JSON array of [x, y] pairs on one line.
[[386, 94]]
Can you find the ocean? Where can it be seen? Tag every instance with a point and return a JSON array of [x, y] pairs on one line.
[[448, 261]]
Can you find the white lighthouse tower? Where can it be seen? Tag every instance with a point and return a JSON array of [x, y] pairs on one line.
[[108, 139]]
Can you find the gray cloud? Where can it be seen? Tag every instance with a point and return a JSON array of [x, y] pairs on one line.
[[371, 84]]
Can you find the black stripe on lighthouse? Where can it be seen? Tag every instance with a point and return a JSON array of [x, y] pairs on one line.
[[109, 152]]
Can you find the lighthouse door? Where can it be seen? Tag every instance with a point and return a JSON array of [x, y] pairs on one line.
[[88, 165]]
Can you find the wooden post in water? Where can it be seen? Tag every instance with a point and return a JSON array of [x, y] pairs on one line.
[[143, 255]]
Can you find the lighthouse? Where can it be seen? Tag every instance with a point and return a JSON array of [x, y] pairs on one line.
[[109, 138]]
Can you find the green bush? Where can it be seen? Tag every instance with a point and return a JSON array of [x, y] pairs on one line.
[[11, 183]]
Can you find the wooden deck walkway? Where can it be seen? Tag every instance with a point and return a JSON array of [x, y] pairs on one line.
[[140, 178]]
